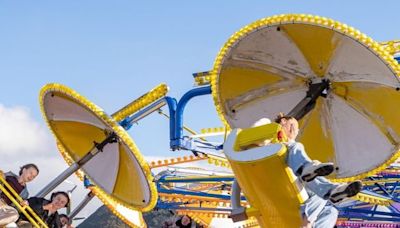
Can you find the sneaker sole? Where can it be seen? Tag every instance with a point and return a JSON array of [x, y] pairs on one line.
[[350, 191], [322, 171]]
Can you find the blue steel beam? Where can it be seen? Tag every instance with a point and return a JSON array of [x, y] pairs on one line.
[[189, 193], [172, 103], [188, 180], [176, 142], [363, 212]]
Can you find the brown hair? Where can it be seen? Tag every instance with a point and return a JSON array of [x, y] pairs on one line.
[[281, 117], [54, 194], [27, 166]]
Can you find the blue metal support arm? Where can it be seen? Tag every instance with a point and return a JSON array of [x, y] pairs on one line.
[[190, 193], [176, 141], [189, 180], [381, 188], [366, 214], [171, 102], [128, 121]]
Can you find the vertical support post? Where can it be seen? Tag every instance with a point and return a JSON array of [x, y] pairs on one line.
[[171, 102], [235, 195], [176, 143], [238, 212], [81, 205]]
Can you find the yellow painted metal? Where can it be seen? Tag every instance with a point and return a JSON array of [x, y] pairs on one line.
[[194, 199], [383, 181], [373, 199], [315, 137], [33, 218], [218, 161], [198, 177], [178, 160], [254, 79], [259, 134], [202, 78], [315, 38], [316, 43], [104, 197], [143, 101], [126, 171], [71, 144], [269, 186], [202, 219], [363, 96], [212, 130], [74, 136], [393, 46]]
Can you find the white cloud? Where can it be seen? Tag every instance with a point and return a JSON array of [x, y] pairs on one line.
[[24, 140], [21, 135]]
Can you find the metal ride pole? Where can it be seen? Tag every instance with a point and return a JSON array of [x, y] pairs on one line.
[[70, 197], [235, 195], [111, 138], [238, 212], [203, 209], [308, 103], [127, 122], [176, 142], [81, 205]]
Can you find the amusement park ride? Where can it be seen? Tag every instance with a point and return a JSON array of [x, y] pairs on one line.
[[337, 81]]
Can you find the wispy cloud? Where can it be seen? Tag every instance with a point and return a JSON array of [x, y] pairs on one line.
[[21, 135], [25, 140]]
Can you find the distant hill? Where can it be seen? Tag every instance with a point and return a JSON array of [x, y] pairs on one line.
[[102, 217]]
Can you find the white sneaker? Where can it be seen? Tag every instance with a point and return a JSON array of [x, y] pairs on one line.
[[315, 168], [344, 191]]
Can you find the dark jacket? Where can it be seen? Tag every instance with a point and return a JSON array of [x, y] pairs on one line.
[[24, 194], [52, 221]]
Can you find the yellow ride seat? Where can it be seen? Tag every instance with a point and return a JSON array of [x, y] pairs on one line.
[[268, 183]]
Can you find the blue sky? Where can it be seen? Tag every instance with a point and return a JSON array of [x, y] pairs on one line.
[[114, 51]]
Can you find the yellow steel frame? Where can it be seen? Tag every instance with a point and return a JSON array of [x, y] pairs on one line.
[[33, 218]]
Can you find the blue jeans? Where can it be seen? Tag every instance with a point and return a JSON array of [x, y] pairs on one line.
[[317, 209], [320, 212], [297, 157]]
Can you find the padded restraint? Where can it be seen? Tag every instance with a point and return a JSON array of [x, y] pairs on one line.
[[272, 133]]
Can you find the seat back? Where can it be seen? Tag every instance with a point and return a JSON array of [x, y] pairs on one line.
[[267, 182]]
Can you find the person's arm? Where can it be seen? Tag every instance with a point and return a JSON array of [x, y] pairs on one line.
[[36, 204]]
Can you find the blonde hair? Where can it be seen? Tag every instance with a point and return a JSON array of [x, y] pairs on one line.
[[281, 117]]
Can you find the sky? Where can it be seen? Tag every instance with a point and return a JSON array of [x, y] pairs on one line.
[[112, 52]]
